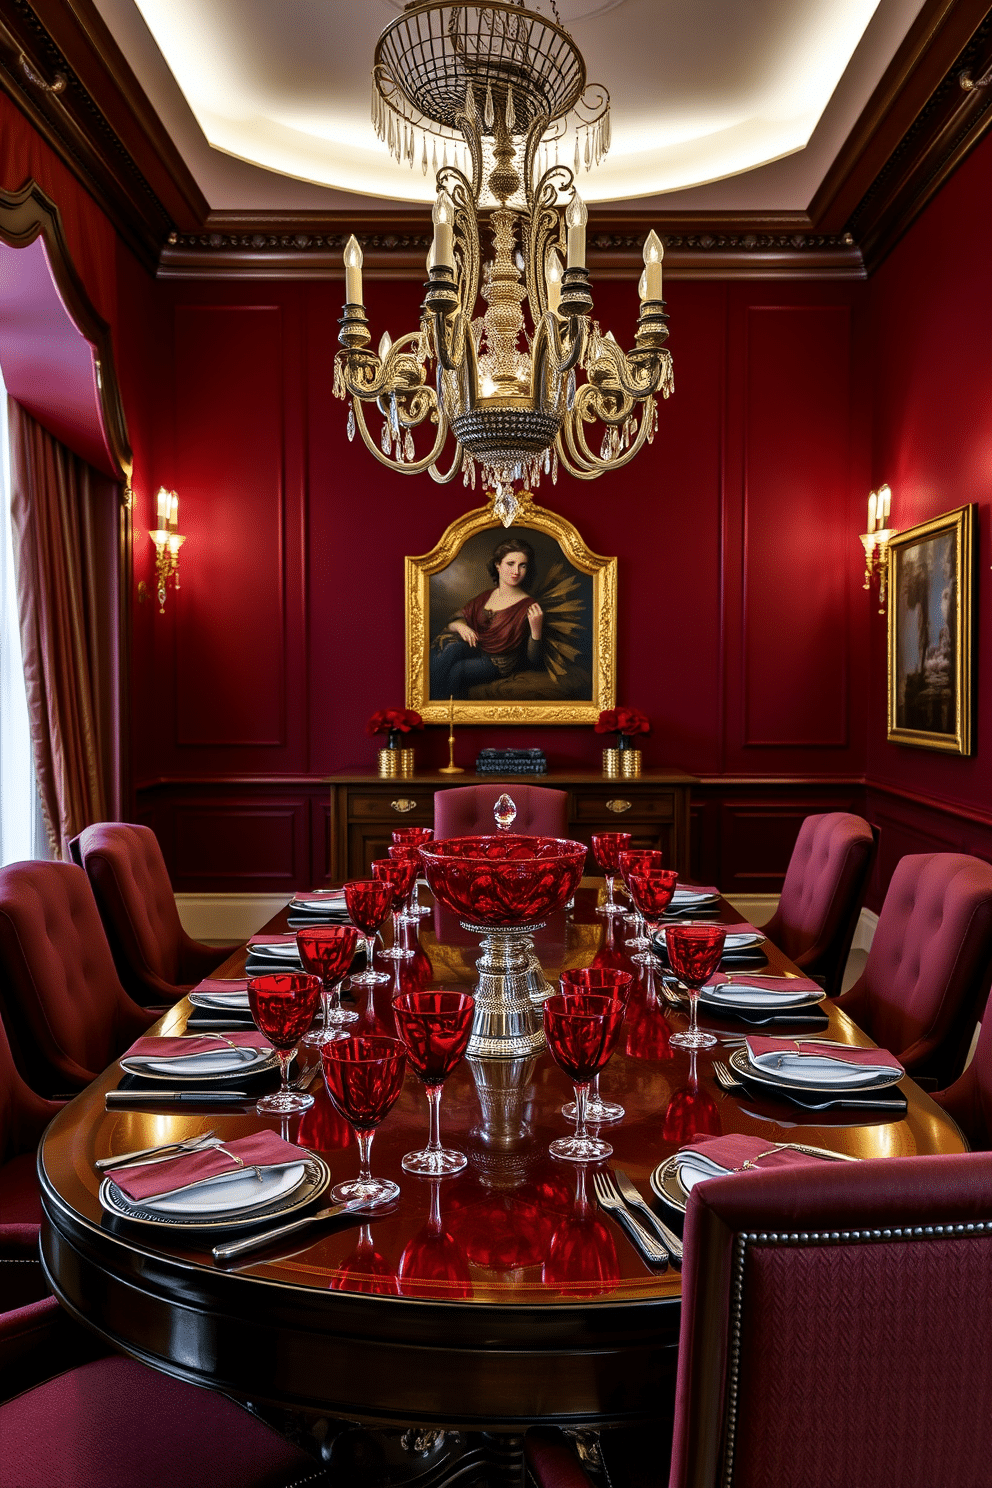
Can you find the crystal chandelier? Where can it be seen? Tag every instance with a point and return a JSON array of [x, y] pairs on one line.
[[497, 89]]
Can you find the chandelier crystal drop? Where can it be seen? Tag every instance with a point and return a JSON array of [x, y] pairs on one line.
[[496, 85]]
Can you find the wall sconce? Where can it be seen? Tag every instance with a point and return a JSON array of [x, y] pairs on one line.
[[876, 542], [167, 544]]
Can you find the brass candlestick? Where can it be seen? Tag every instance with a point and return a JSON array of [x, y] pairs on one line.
[[451, 768]]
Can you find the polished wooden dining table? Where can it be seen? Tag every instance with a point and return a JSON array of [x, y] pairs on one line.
[[480, 1303]]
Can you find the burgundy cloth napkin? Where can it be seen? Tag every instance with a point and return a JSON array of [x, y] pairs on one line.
[[847, 1054], [183, 1048], [263, 1149], [790, 985], [216, 986], [730, 1153], [272, 940]]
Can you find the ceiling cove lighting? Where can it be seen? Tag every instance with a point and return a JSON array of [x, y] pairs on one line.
[[495, 89]]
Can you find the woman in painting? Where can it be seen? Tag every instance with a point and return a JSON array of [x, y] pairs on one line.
[[497, 633]]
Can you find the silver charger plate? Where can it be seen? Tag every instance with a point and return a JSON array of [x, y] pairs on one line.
[[316, 1178], [240, 1071], [740, 1063], [667, 1185]]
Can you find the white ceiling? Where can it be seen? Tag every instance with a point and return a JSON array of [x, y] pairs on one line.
[[717, 104]]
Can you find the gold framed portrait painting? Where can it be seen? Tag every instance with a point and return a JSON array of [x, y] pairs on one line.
[[511, 625], [930, 633]]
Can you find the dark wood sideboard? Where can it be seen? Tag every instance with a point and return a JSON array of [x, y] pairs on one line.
[[653, 808]]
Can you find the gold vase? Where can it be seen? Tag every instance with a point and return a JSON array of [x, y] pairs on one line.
[[611, 764], [406, 762], [389, 763], [630, 763]]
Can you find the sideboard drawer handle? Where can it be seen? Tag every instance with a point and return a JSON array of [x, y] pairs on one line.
[[618, 806], [404, 804]]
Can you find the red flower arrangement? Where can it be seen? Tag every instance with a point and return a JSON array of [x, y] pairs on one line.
[[393, 721], [624, 722]]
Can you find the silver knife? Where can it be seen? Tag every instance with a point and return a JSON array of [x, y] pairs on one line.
[[255, 1242], [632, 1195], [157, 1097]]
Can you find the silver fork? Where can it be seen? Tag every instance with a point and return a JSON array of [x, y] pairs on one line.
[[305, 1077], [632, 1194], [172, 1148], [725, 1076], [651, 1250]]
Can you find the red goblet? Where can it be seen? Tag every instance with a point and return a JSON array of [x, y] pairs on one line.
[[364, 1076], [694, 953], [606, 849], [638, 860], [411, 910], [652, 894], [283, 1005], [582, 1032], [603, 982], [369, 901], [435, 1026], [326, 951], [414, 837], [401, 875]]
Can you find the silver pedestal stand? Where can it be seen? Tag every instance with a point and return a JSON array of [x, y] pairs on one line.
[[507, 1023]]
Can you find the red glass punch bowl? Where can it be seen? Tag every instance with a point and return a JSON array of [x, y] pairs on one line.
[[504, 880]]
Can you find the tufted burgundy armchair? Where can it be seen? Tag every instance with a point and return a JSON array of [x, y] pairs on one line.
[[928, 970], [66, 1014], [969, 1099], [821, 898], [469, 809], [834, 1331], [156, 960]]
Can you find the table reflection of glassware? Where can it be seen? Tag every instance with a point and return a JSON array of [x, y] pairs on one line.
[[433, 1264], [365, 1270], [401, 852], [435, 1026], [691, 1111], [610, 952], [401, 874], [326, 951], [606, 982], [638, 860], [652, 894], [694, 952], [606, 849], [323, 1128], [364, 1076], [582, 1032], [283, 1005], [414, 837], [582, 1257], [646, 1034], [369, 901]]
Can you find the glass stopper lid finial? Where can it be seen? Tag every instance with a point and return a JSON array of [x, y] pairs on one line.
[[505, 812]]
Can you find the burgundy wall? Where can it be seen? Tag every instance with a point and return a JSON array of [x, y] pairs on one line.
[[929, 311], [741, 620]]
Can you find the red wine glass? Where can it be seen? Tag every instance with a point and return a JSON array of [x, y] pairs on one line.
[[369, 901], [435, 1026], [401, 874], [638, 860], [364, 1076], [606, 849], [604, 982], [582, 1032], [401, 853], [326, 951], [652, 894], [283, 1004], [414, 837], [694, 953]]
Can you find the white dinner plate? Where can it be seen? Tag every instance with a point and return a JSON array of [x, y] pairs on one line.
[[285, 952], [739, 995], [684, 897], [226, 1001], [230, 1192], [740, 1063], [667, 1184], [312, 1182], [214, 1065]]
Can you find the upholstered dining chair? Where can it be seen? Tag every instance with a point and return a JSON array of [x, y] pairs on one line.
[[807, 1306], [821, 897], [969, 1098], [928, 971], [156, 960], [66, 1014], [468, 809]]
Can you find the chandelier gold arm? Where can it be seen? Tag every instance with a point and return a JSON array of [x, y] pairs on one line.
[[575, 454], [545, 226], [466, 233], [415, 467], [443, 477]]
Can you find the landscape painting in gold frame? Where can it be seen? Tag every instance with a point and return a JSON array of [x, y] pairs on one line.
[[930, 633], [567, 676]]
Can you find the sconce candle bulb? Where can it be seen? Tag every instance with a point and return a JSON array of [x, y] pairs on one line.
[[168, 541], [876, 542]]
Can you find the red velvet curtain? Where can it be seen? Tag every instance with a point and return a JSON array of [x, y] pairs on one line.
[[64, 521]]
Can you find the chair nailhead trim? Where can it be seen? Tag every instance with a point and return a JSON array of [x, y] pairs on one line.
[[795, 1238]]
